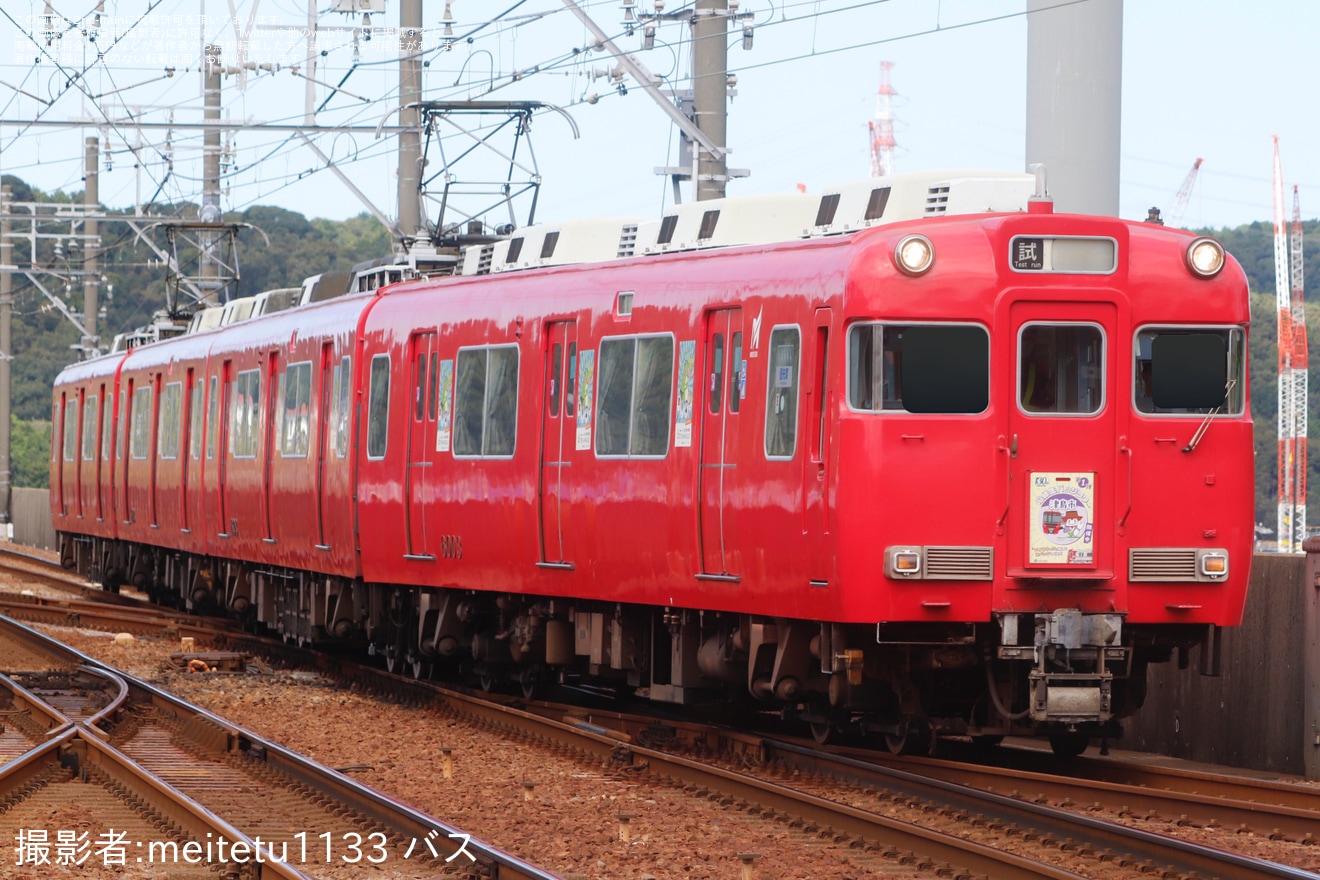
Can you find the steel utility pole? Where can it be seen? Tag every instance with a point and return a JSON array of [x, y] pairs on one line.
[[6, 352], [210, 211], [710, 75], [91, 248], [410, 139]]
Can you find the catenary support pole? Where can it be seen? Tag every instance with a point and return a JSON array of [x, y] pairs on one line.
[[710, 65], [6, 353], [410, 139], [91, 247]]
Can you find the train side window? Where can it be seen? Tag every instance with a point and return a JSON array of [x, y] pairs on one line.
[[435, 387], [123, 414], [378, 410], [89, 427], [107, 427], [419, 389], [717, 373], [1060, 369], [486, 402], [556, 370], [1188, 370], [70, 428], [212, 417], [245, 427], [295, 440], [195, 423], [782, 393], [140, 439], [167, 443], [737, 377], [919, 368], [343, 388], [570, 380], [635, 387]]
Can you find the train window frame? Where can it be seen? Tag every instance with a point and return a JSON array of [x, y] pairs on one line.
[[122, 412], [245, 415], [342, 403], [508, 419], [140, 427], [91, 410], [378, 409], [69, 432], [107, 426], [898, 409], [195, 422], [296, 423], [1103, 403], [212, 415], [600, 413], [167, 439], [1236, 368], [771, 384]]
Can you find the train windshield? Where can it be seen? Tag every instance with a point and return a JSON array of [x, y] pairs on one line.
[[1188, 370], [921, 368], [1060, 368]]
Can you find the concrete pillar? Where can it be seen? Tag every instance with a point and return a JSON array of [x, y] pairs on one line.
[[1311, 660], [91, 247], [6, 352], [710, 90], [410, 139], [1074, 91]]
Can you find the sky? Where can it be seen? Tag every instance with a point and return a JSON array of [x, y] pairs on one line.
[[1214, 79]]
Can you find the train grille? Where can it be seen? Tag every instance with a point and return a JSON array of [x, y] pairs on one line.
[[1162, 564], [937, 199], [960, 563], [628, 240]]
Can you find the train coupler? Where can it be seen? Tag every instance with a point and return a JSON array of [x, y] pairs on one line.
[[1071, 697]]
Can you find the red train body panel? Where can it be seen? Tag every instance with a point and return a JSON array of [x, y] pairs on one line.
[[831, 470]]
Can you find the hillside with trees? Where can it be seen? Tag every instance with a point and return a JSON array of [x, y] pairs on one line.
[[300, 247]]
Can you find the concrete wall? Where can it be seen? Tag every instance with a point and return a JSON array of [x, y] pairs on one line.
[[1252, 715], [31, 518]]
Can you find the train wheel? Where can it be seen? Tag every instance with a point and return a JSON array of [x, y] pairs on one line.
[[487, 682], [419, 668], [1069, 745], [907, 741], [822, 731]]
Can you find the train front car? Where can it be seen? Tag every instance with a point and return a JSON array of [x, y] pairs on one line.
[[1046, 470]]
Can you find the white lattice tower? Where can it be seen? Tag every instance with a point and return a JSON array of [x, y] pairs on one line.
[[1287, 424], [1298, 357], [882, 127]]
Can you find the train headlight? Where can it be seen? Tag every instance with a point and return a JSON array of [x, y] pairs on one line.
[[1205, 257], [1214, 564], [914, 254], [903, 562]]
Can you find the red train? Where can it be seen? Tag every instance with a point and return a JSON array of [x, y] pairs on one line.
[[901, 456]]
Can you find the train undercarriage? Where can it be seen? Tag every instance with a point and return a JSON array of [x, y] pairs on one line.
[[1065, 675]]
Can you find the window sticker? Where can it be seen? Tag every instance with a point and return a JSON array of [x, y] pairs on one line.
[[1061, 515], [586, 382], [444, 418], [687, 380]]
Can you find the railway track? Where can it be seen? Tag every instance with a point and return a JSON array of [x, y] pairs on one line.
[[1041, 811], [52, 574], [171, 779]]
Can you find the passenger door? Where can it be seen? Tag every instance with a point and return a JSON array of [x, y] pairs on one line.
[[421, 457], [558, 422], [1061, 441], [721, 405]]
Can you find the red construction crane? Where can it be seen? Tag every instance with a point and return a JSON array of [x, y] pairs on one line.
[[1179, 206]]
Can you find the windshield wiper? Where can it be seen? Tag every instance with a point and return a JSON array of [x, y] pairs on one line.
[[1205, 423]]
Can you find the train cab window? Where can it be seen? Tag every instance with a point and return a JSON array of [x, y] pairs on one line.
[[70, 428], [1188, 370], [782, 396], [89, 428], [919, 368], [295, 438], [636, 379], [486, 402], [167, 443], [1060, 369], [140, 439], [378, 407], [245, 426]]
